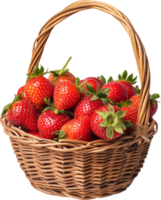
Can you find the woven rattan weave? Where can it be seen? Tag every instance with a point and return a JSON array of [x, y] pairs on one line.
[[78, 169]]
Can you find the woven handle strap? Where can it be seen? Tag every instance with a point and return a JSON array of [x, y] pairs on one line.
[[138, 48]]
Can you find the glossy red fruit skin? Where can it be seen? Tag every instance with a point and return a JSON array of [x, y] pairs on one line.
[[117, 91], [21, 89], [66, 95], [49, 122], [37, 89], [91, 82], [101, 131], [153, 109], [23, 113], [96, 79], [37, 134], [130, 115], [131, 91], [135, 103], [78, 129], [65, 77], [86, 107]]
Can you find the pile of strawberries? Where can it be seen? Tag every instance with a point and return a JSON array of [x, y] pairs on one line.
[[62, 106]]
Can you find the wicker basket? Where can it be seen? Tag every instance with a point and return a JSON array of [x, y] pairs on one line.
[[78, 169]]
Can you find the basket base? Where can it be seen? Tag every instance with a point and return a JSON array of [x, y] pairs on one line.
[[59, 195]]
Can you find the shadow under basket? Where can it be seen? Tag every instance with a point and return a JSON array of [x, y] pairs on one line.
[[81, 170], [86, 170]]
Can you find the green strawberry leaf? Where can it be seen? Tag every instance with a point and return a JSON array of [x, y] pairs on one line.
[[124, 75], [118, 129], [90, 88], [122, 104], [103, 124], [105, 90], [109, 132], [94, 97], [154, 98], [137, 89], [101, 95], [110, 108], [121, 125], [61, 135], [8, 106], [77, 81], [102, 77], [103, 115], [128, 124], [120, 114], [110, 79]]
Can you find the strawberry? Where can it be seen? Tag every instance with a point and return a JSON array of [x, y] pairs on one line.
[[86, 107], [37, 134], [61, 75], [38, 87], [89, 104], [51, 120], [21, 89], [21, 112], [100, 83], [128, 82], [91, 82], [77, 129], [67, 94], [117, 91], [153, 103], [131, 113], [107, 123]]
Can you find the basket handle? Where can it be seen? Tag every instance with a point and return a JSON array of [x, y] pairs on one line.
[[138, 48]]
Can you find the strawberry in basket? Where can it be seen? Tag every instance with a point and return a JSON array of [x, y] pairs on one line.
[[67, 94], [131, 113], [154, 102], [62, 75], [51, 120], [21, 112], [127, 82], [76, 129], [21, 89], [107, 122], [99, 81], [38, 87], [88, 105]]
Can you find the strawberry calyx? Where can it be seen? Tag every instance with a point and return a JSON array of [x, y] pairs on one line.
[[37, 72], [8, 106], [52, 107], [105, 79], [57, 73], [61, 135], [99, 94], [80, 86], [125, 77], [113, 121], [154, 98], [122, 104], [137, 89]]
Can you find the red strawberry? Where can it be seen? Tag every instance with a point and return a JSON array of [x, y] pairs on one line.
[[131, 114], [117, 91], [78, 129], [153, 103], [128, 82], [38, 87], [51, 120], [95, 77], [62, 75], [21, 89], [86, 107], [67, 94], [37, 134], [21, 112], [106, 122], [90, 82]]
